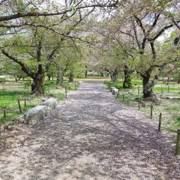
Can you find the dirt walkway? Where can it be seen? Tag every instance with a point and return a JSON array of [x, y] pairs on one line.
[[91, 136]]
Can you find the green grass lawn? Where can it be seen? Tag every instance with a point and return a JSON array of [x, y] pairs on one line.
[[177, 122], [9, 97], [9, 100], [174, 125], [118, 85], [128, 99], [165, 89], [136, 83], [172, 108], [169, 107]]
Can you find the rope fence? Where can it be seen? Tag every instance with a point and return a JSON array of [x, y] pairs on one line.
[[22, 104], [19, 106], [164, 123], [154, 113]]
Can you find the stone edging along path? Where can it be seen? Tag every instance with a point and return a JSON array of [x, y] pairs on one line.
[[91, 136], [35, 114]]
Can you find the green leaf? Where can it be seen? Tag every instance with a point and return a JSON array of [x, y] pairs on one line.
[[34, 9], [73, 8], [171, 14], [173, 34]]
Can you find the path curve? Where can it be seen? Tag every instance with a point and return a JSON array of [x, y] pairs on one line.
[[91, 136]]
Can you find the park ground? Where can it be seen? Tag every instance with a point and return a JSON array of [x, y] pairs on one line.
[[90, 136]]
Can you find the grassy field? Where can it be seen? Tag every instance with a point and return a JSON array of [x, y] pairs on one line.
[[168, 102], [11, 92]]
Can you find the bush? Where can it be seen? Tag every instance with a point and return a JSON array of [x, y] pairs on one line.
[[2, 80]]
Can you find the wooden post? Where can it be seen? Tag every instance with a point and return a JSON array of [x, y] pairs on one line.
[[139, 104], [177, 143], [168, 88], [160, 118], [25, 102], [151, 113], [118, 93], [19, 104], [4, 114], [66, 92], [123, 98]]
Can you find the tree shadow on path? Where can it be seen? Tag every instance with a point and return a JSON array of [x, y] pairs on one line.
[[91, 136]]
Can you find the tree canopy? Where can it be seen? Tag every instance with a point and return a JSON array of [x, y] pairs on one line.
[[109, 35]]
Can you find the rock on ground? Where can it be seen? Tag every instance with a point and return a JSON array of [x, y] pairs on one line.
[[90, 136]]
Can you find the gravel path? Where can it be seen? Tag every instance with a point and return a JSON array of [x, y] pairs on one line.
[[90, 136]]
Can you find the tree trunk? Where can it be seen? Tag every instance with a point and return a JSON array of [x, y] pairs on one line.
[[71, 77], [147, 85], [114, 76], [60, 76], [127, 78], [168, 80], [37, 86], [85, 74], [49, 77], [16, 79], [101, 74]]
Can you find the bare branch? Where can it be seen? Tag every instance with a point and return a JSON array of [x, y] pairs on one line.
[[176, 24], [153, 50], [23, 66], [140, 24], [161, 31], [136, 36], [35, 14], [154, 24]]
